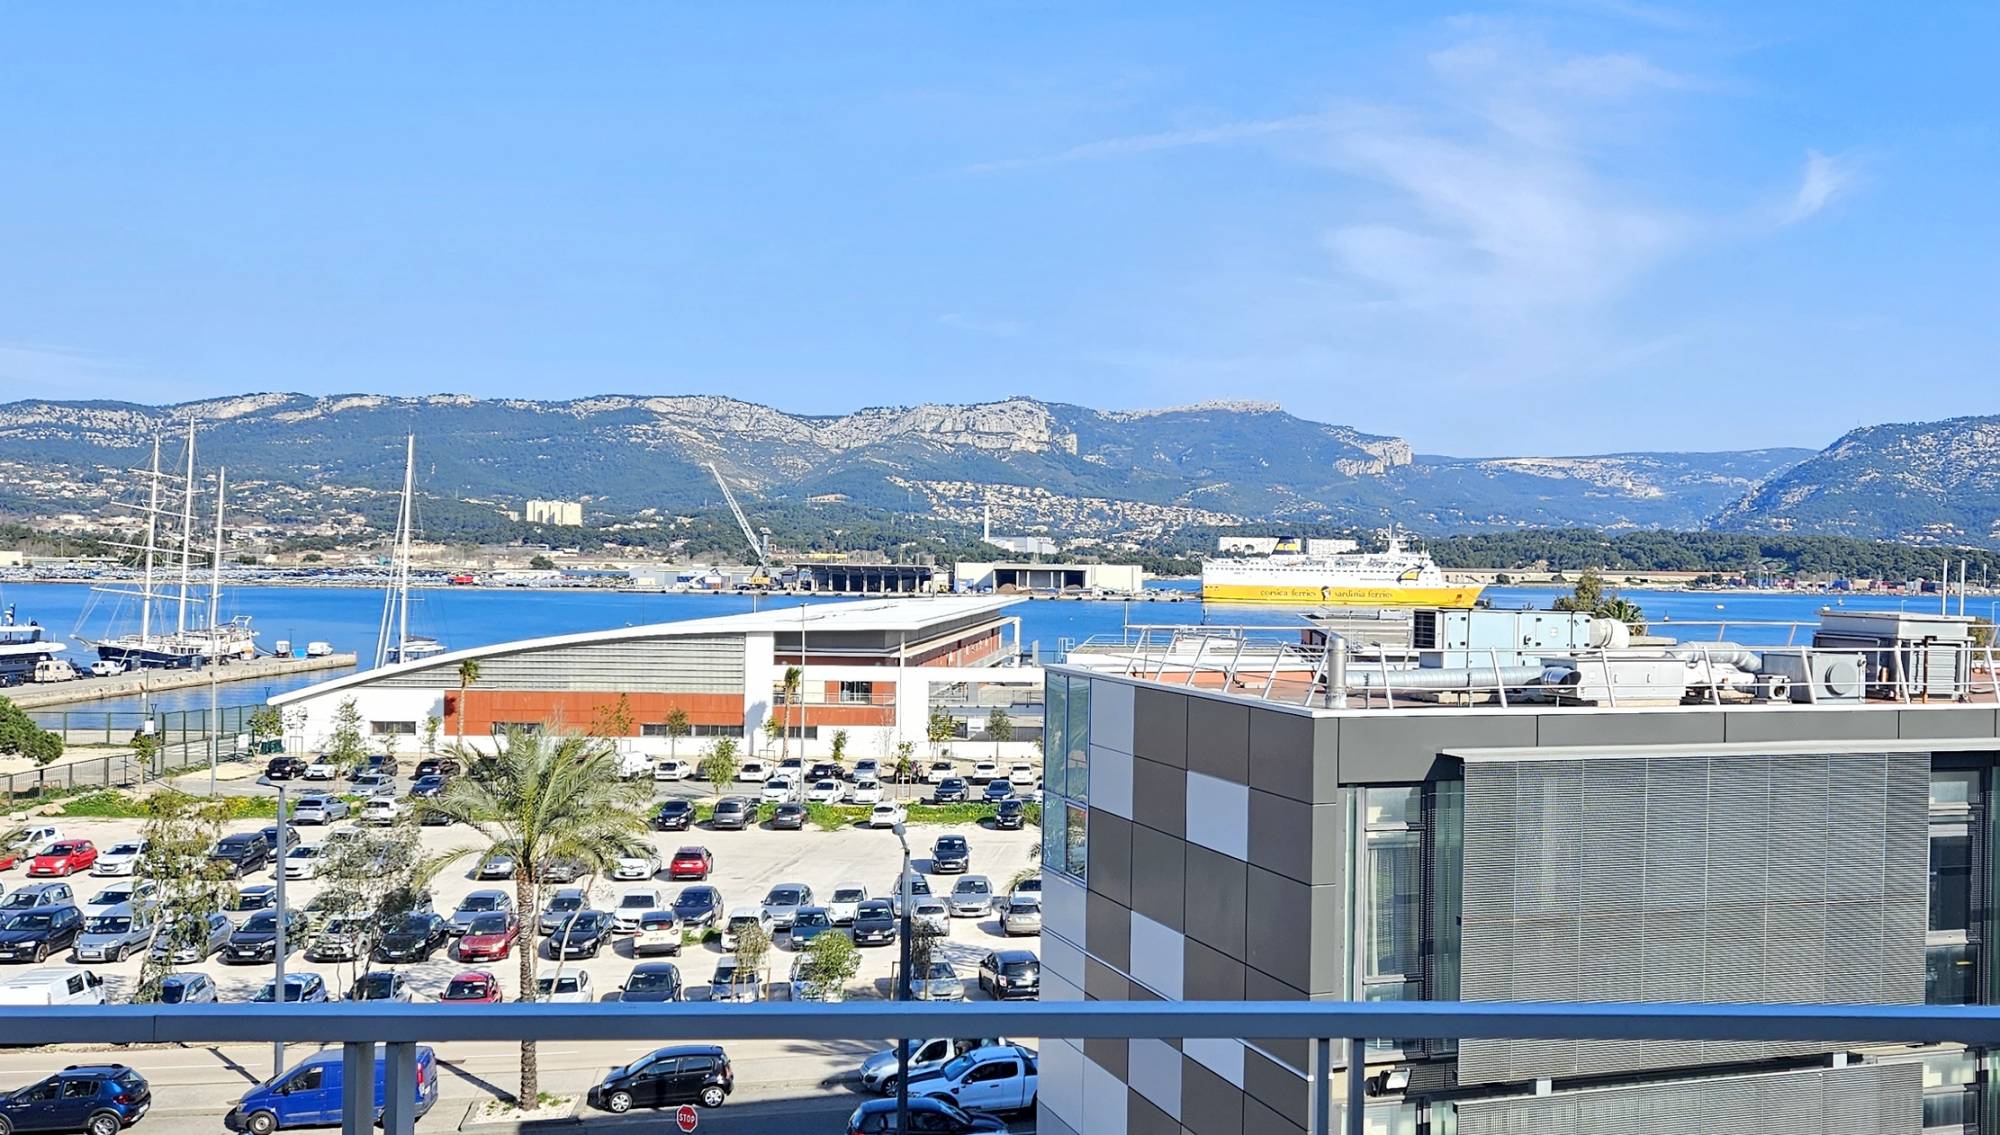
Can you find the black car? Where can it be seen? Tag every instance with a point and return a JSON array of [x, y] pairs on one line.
[[673, 816], [950, 855], [653, 981], [698, 907], [1010, 974], [789, 817], [875, 923], [412, 938], [285, 768], [691, 1073], [32, 935], [1010, 815], [951, 790], [270, 834], [257, 939], [733, 813], [927, 1113], [101, 1099], [824, 770], [581, 935], [385, 765], [241, 854], [437, 766]]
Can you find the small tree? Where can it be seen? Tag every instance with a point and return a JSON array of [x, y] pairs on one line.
[[906, 759], [794, 686], [1589, 592], [468, 673], [539, 562], [774, 730], [753, 946], [923, 942], [839, 746], [939, 729], [265, 722], [179, 830], [432, 723], [677, 728], [20, 734], [831, 962], [1000, 727], [719, 766], [614, 720], [345, 748]]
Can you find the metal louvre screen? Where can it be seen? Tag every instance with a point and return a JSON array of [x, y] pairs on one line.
[[1688, 878], [1863, 1099], [691, 664]]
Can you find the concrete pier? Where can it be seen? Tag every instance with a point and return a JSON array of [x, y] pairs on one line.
[[153, 681]]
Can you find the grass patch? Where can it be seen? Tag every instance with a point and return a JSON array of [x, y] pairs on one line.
[[116, 804]]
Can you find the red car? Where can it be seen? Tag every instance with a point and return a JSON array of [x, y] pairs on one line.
[[477, 986], [65, 858], [490, 938], [691, 863]]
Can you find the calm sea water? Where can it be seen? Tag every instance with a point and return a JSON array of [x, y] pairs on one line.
[[348, 617]]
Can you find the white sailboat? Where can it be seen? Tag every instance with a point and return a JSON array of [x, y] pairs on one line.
[[393, 641]]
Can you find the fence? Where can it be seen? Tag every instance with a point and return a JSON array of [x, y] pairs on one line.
[[119, 726], [1333, 1029]]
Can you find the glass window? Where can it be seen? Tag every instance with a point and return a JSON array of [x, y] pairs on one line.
[[1954, 787], [1077, 740], [1055, 710], [1076, 838], [1398, 806], [1949, 977], [1394, 932], [1053, 837], [1951, 877]]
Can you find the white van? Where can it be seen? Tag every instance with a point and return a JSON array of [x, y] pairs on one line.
[[55, 670], [53, 985]]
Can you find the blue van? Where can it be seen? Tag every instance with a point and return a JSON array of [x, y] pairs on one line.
[[308, 1094]]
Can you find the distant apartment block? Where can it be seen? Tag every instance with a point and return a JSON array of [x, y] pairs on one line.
[[568, 513]]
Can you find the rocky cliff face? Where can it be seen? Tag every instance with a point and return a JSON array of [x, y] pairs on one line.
[[1923, 481]]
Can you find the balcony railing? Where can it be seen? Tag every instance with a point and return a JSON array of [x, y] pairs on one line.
[[1328, 1026]]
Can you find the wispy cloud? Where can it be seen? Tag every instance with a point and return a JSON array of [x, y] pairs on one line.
[[1164, 140], [1825, 177]]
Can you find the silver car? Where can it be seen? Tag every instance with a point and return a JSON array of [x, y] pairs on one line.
[[783, 901], [194, 939], [476, 904], [941, 983], [112, 934], [320, 810], [497, 867], [931, 915], [1023, 915], [566, 902], [971, 897]]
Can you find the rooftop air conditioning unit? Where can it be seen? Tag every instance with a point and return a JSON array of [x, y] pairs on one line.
[[1832, 677]]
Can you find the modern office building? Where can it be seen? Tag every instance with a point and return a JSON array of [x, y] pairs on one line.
[[873, 668], [1219, 830], [568, 513]]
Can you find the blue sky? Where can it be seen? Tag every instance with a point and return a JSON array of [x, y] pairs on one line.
[[1556, 227]]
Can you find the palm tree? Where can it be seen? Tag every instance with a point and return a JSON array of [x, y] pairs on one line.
[[793, 684], [542, 799], [468, 673]]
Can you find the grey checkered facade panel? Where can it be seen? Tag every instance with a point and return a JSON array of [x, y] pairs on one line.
[[1863, 1099], [1739, 878], [705, 664]]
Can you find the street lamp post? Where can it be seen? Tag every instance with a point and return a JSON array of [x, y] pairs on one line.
[[278, 873], [903, 982]]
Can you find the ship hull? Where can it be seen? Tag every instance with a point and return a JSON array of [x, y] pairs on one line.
[[1341, 595]]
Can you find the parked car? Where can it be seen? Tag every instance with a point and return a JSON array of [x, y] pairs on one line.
[[937, 772], [804, 985], [345, 937], [478, 905], [971, 897], [309, 1093], [571, 987], [436, 766], [874, 923], [866, 790], [698, 907], [687, 1073], [1010, 814], [1021, 915], [732, 813], [560, 906], [778, 790], [38, 894], [984, 772], [652, 981], [101, 1099], [285, 768], [950, 855], [489, 937], [783, 901], [193, 938], [809, 923], [34, 934], [139, 893], [239, 855], [248, 900], [920, 889], [659, 932], [381, 985], [996, 791], [188, 989], [412, 938], [846, 898], [998, 1078], [477, 986], [581, 935], [381, 811], [318, 809], [887, 814], [270, 834], [691, 862], [673, 816], [939, 983], [373, 784], [1032, 885], [115, 933], [931, 914], [302, 861], [826, 791], [927, 1114], [257, 939], [753, 772], [744, 916], [496, 866], [951, 790], [631, 906], [120, 860], [305, 988], [106, 668], [823, 770], [53, 986], [1021, 774], [321, 769], [427, 787], [1008, 975], [672, 768], [630, 867], [734, 983], [380, 764], [788, 817], [63, 858], [878, 1072], [562, 871]]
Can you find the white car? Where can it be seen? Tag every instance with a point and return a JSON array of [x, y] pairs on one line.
[[672, 769], [142, 892], [625, 916], [847, 899], [105, 668], [742, 916], [381, 810], [631, 867], [755, 771], [984, 771], [867, 768], [35, 840], [659, 933], [939, 771], [120, 859], [777, 790], [886, 814], [801, 983], [567, 987], [321, 769], [867, 791], [1022, 775], [302, 862], [824, 792], [932, 914]]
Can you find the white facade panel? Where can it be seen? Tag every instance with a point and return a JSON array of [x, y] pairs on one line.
[[1110, 780], [1218, 815], [1111, 715], [1159, 956]]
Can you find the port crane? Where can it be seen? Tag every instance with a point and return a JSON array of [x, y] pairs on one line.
[[759, 543]]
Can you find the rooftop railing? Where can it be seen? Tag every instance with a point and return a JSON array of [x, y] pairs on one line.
[[1334, 1030]]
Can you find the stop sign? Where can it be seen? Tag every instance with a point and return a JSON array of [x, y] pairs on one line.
[[686, 1118]]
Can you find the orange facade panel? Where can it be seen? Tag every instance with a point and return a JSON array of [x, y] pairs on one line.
[[578, 709]]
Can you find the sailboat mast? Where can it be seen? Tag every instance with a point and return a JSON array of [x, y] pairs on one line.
[[403, 559], [187, 532], [152, 544], [215, 561]]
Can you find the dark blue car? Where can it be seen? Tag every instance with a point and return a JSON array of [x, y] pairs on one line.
[[101, 1099]]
